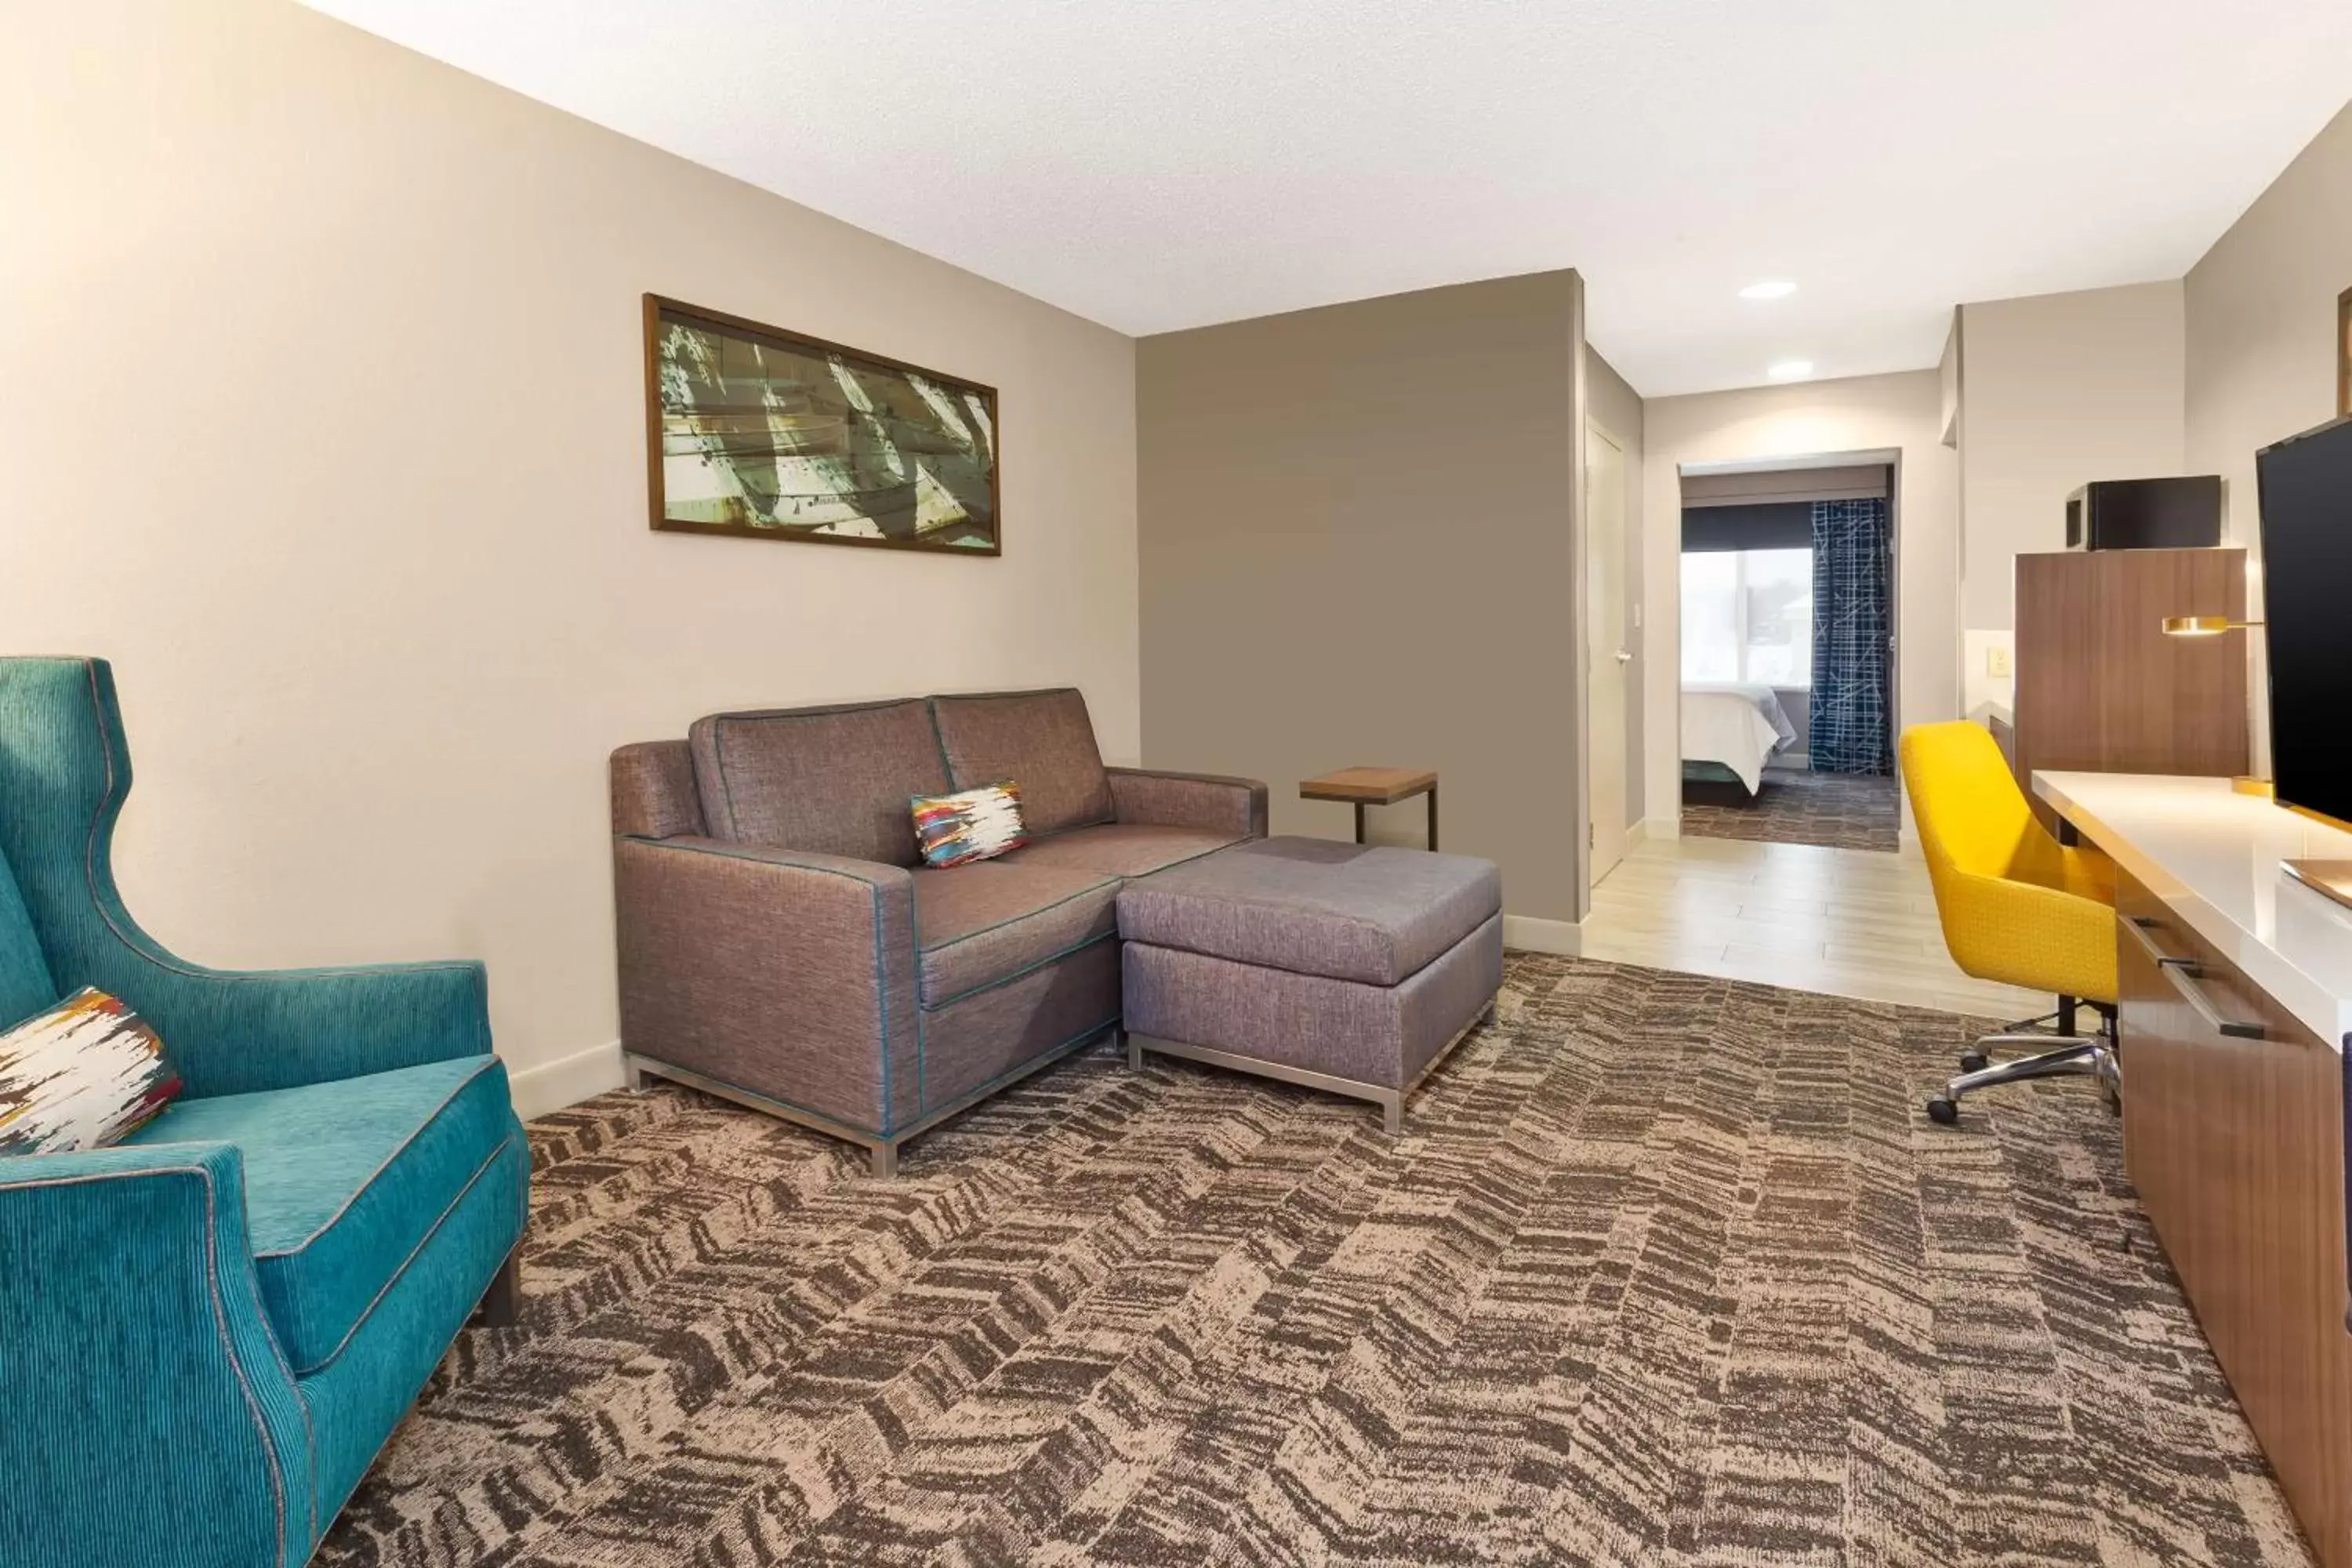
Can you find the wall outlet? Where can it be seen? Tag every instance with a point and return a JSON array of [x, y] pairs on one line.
[[1997, 662]]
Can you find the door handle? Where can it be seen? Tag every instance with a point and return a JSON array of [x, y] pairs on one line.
[[1624, 658], [2184, 974]]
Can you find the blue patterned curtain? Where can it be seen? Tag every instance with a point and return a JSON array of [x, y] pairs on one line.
[[1853, 653]]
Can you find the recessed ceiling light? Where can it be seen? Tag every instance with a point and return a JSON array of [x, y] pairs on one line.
[[1770, 289], [1790, 370]]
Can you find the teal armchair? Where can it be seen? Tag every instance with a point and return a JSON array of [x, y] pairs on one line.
[[207, 1332]]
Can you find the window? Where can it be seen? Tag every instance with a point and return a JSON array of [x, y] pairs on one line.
[[1748, 614]]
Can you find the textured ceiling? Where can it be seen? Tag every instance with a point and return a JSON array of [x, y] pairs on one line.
[[1164, 164]]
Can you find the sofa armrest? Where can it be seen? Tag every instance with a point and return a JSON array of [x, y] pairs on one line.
[[1208, 801], [787, 973], [146, 1389], [232, 1032]]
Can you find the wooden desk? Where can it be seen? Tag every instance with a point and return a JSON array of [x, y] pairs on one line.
[[2236, 989], [1361, 787]]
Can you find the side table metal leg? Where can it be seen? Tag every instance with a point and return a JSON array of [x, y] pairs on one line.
[[1360, 822], [1432, 818]]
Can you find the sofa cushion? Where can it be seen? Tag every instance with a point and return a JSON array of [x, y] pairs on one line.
[[980, 924], [346, 1181], [1120, 849], [1349, 912], [834, 780], [1043, 740], [25, 985]]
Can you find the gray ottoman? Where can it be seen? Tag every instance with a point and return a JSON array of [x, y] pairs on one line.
[[1340, 966]]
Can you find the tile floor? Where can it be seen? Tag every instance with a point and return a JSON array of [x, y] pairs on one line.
[[1850, 922]]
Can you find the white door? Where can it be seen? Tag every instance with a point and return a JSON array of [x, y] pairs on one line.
[[1610, 657]]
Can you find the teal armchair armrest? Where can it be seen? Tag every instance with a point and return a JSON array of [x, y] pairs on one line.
[[146, 1396], [232, 1032]]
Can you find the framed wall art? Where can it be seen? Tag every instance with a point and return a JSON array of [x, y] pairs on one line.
[[754, 432]]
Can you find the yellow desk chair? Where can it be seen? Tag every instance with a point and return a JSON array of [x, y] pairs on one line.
[[2016, 906]]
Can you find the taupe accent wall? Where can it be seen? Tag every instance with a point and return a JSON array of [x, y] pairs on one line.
[[1359, 544], [325, 421]]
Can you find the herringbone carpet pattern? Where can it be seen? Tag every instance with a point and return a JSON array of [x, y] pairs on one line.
[[1665, 1270]]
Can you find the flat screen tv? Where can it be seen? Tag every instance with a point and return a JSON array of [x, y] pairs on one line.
[[2307, 501]]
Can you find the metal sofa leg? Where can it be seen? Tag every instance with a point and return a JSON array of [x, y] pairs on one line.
[[501, 1304], [885, 1162]]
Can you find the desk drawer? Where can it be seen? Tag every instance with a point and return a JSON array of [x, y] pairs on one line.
[[2233, 1133]]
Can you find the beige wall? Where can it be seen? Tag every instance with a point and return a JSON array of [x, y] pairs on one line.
[[1358, 546], [325, 422], [2262, 348], [2057, 390], [1612, 403], [1861, 413]]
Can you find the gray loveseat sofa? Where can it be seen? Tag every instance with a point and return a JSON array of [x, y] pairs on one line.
[[783, 945]]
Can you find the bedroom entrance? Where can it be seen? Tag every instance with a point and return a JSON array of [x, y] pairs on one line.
[[1787, 612]]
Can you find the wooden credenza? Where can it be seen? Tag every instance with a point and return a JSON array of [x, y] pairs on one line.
[[2100, 688], [2236, 999], [2235, 1142]]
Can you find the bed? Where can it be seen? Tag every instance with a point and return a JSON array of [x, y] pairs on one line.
[[1730, 729]]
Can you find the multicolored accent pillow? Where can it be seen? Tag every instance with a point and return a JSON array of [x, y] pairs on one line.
[[971, 824], [86, 1073]]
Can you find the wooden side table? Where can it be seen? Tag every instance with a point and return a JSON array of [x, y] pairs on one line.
[[1360, 787]]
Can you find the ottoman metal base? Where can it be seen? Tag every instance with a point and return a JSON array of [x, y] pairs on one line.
[[1390, 1100]]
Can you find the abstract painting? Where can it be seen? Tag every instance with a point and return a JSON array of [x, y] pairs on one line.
[[758, 433]]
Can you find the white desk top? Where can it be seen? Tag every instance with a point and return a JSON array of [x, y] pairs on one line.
[[2212, 855]]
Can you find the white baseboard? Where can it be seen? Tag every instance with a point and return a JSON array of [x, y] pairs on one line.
[[1529, 935], [1660, 826], [1907, 842], [1636, 832], [567, 1080]]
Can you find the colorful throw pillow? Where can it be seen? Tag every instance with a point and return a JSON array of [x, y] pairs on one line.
[[971, 824], [85, 1073]]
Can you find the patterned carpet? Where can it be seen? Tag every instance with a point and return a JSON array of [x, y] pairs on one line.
[[1840, 811], [1666, 1269]]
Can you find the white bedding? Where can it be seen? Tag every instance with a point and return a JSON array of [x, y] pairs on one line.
[[1734, 723]]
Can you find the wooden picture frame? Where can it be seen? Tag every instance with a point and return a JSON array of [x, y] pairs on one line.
[[2343, 353], [754, 432]]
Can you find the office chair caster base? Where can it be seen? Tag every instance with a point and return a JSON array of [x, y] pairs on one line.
[[1975, 1061], [2075, 1056]]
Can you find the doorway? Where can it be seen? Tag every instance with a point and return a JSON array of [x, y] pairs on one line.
[[1607, 658], [1786, 599]]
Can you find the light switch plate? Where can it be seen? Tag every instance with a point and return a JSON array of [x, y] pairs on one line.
[[1997, 661]]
